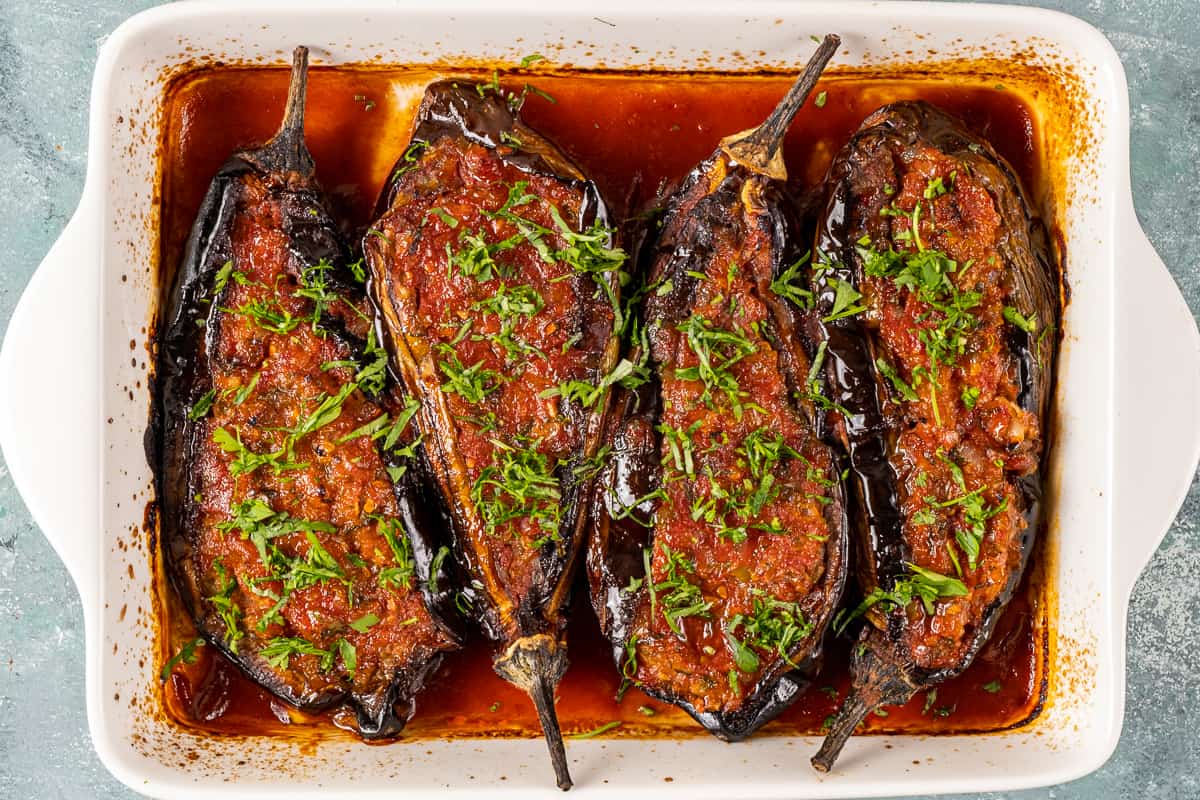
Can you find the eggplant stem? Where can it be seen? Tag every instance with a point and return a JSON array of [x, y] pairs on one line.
[[878, 681], [542, 694], [853, 711], [287, 150], [758, 148], [293, 115], [536, 664]]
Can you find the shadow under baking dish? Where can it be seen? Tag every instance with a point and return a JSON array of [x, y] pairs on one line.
[[629, 132]]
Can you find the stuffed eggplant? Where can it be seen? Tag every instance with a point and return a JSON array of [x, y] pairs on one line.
[[938, 299], [718, 554], [290, 526], [498, 286]]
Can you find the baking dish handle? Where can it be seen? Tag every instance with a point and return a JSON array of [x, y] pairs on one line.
[[48, 378], [1157, 405]]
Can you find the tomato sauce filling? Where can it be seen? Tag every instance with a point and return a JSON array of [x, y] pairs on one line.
[[962, 437], [472, 250]]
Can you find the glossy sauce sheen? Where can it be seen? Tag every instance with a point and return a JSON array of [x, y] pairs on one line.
[[628, 133]]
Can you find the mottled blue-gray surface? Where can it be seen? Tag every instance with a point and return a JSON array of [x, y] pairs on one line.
[[47, 53]]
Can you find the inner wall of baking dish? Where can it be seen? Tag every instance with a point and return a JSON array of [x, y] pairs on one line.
[[132, 645], [628, 131]]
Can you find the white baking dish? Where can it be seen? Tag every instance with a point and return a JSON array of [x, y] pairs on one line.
[[74, 370]]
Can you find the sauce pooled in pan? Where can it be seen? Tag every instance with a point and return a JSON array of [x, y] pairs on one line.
[[628, 132]]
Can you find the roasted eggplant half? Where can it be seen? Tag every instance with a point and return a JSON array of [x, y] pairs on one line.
[[937, 299], [719, 549], [290, 528], [498, 287]]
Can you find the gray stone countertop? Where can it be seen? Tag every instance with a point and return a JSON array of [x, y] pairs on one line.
[[47, 54]]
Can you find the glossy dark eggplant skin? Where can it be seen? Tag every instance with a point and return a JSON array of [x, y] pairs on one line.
[[529, 633], [190, 325], [720, 201], [884, 673]]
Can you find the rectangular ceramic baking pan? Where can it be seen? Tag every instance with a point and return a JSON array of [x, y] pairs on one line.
[[75, 369]]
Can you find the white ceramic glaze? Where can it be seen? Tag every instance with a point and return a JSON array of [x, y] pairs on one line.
[[74, 403]]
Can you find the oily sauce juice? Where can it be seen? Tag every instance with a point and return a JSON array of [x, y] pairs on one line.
[[630, 133]]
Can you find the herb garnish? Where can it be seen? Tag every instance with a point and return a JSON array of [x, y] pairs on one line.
[[587, 395], [1027, 324], [921, 584], [926, 273], [472, 383], [519, 484], [186, 655], [246, 461], [349, 656], [243, 393], [202, 406], [328, 410], [585, 252], [509, 304], [772, 625], [679, 443], [678, 597], [448, 219], [605, 728], [408, 162], [629, 666], [476, 258], [716, 350], [889, 372], [976, 513], [373, 374], [435, 568], [222, 277], [373, 429], [733, 508], [259, 523], [792, 285], [268, 314], [844, 298], [401, 575], [226, 607], [590, 467], [314, 285], [397, 428], [279, 651]]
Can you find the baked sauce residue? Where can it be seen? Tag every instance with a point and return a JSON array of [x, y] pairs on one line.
[[630, 133]]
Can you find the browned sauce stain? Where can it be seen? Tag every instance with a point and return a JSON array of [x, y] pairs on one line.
[[630, 133]]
